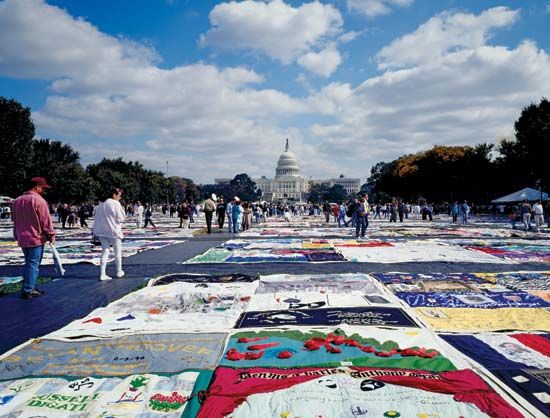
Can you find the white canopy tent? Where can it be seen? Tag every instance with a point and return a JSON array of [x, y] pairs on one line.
[[520, 195]]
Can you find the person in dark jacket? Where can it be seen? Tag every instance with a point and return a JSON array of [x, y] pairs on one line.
[[326, 211], [149, 217], [183, 214], [220, 212], [401, 209], [82, 215]]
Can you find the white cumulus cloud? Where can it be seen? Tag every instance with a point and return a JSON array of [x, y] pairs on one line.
[[443, 34], [57, 45], [276, 29], [322, 63], [373, 8]]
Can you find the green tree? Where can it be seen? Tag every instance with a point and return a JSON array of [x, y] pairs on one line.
[[60, 164], [442, 173], [336, 194], [16, 135], [183, 189], [524, 160], [220, 190], [317, 192], [243, 187]]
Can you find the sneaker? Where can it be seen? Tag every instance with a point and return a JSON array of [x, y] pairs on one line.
[[120, 274], [104, 277]]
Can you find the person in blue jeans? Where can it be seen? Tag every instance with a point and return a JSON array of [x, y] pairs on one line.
[[360, 219], [455, 211], [464, 212], [236, 215], [32, 228], [342, 214], [229, 211], [33, 259]]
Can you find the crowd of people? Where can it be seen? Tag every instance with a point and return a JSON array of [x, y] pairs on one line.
[[33, 226], [530, 216]]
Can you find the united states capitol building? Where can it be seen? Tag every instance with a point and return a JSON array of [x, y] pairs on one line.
[[289, 185]]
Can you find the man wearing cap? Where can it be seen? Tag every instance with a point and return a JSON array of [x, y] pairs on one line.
[[32, 227]]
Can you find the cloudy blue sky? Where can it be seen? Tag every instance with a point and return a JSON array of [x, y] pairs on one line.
[[215, 87]]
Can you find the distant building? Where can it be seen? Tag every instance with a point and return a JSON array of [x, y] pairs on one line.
[[222, 180], [289, 185]]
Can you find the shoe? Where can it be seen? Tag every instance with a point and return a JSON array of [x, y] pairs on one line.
[[120, 274], [37, 290], [104, 277], [32, 294]]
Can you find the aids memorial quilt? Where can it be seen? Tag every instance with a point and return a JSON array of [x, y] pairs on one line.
[[536, 283], [72, 252], [366, 316], [266, 256], [213, 255], [201, 278], [517, 252], [296, 232], [117, 356], [417, 251], [169, 308], [488, 300], [267, 244], [461, 290], [281, 292], [432, 281], [270, 251], [479, 320], [351, 391], [137, 395], [522, 361], [402, 348]]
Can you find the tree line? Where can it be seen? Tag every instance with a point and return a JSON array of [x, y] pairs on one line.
[[477, 173]]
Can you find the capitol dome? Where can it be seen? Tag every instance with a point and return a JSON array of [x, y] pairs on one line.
[[287, 164]]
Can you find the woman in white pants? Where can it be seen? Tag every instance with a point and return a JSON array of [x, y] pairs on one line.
[[108, 220]]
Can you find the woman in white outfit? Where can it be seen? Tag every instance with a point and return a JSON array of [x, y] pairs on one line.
[[108, 220], [139, 214]]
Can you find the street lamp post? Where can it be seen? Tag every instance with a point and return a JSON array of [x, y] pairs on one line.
[[167, 190]]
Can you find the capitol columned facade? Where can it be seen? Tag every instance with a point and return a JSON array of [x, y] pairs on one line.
[[289, 185]]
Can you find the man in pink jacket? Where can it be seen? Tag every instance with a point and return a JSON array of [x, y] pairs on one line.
[[32, 227]]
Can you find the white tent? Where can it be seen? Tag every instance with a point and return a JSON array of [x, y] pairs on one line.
[[5, 199], [520, 195]]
